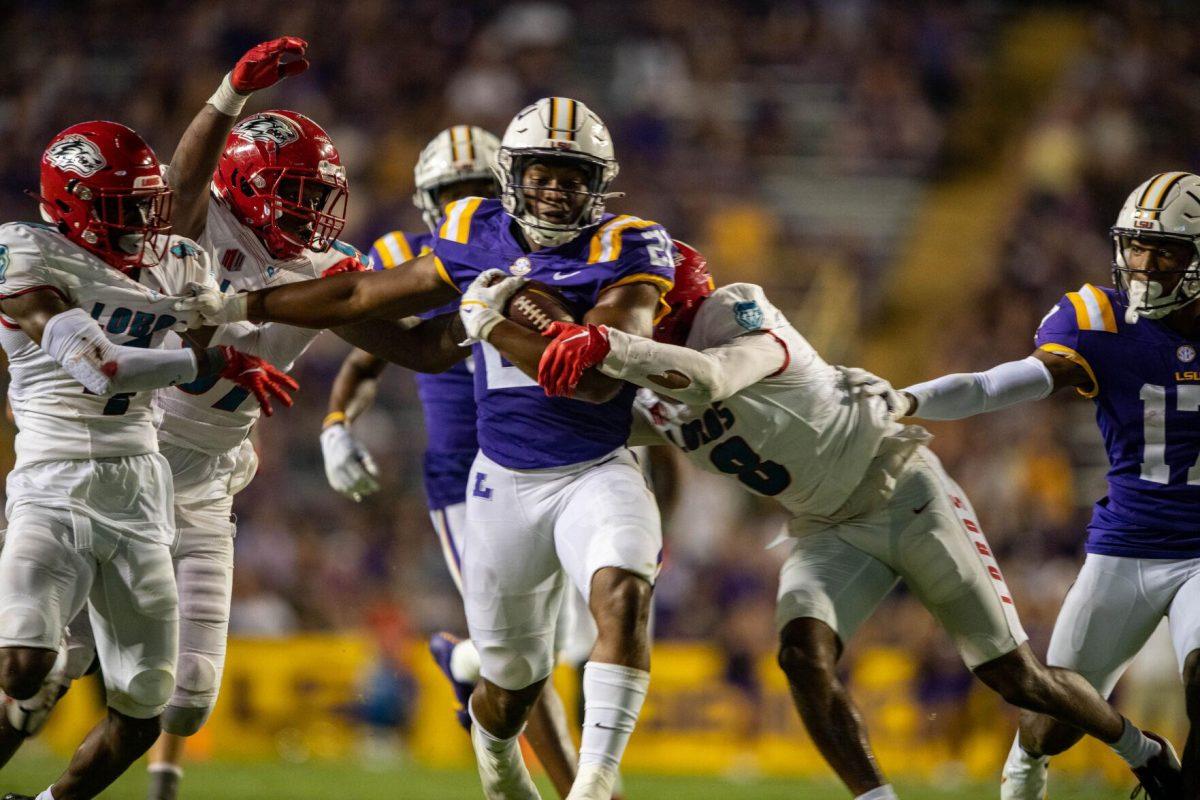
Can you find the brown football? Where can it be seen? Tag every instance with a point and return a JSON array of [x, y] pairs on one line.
[[536, 305]]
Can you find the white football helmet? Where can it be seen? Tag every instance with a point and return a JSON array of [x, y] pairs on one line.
[[459, 153], [555, 128], [1165, 208]]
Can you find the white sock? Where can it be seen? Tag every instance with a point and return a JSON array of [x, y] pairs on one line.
[[1024, 754], [613, 697], [165, 766], [885, 792], [1135, 747], [464, 662], [46, 795], [501, 766]]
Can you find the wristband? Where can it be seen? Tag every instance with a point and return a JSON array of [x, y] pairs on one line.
[[333, 418], [226, 100]]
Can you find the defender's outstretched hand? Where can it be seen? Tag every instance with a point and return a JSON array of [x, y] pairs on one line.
[[259, 376], [575, 349], [263, 64], [347, 264]]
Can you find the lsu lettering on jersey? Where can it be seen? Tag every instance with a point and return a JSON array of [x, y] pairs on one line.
[[1146, 388], [214, 415], [518, 426], [798, 435], [447, 398], [56, 417]]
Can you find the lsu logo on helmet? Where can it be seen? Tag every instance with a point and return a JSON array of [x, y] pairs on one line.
[[76, 154], [268, 128]]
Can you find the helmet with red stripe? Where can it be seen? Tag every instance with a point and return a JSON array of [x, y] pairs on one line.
[[282, 177], [693, 283], [102, 186]]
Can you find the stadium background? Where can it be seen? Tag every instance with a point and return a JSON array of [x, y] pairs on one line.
[[914, 183]]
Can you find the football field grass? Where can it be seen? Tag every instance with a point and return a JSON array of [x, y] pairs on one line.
[[342, 780]]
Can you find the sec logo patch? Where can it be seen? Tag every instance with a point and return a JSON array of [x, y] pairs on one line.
[[1186, 353], [520, 267]]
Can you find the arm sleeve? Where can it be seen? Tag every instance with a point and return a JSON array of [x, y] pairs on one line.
[[278, 344], [967, 394], [708, 376], [74, 340]]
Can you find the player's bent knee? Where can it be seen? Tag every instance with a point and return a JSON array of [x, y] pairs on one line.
[[184, 721], [148, 693]]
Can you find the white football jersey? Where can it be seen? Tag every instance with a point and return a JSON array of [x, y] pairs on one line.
[[56, 417], [798, 435], [214, 415]]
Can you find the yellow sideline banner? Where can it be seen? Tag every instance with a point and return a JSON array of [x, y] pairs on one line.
[[290, 699]]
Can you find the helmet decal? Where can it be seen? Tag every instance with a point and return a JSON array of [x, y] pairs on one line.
[[267, 128], [76, 154]]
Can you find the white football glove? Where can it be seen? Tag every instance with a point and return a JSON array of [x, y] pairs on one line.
[[864, 383], [205, 305], [349, 468], [482, 305]]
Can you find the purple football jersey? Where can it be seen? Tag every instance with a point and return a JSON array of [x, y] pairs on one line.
[[1147, 394], [519, 426], [447, 398]]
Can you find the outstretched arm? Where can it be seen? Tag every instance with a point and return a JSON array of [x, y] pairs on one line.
[[695, 377], [74, 340], [966, 394], [431, 345], [331, 302], [196, 154]]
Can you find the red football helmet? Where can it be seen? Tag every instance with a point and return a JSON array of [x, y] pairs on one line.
[[693, 283], [283, 179], [102, 186]]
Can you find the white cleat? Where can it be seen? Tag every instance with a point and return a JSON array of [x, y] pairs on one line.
[[503, 773], [593, 782], [1024, 777]]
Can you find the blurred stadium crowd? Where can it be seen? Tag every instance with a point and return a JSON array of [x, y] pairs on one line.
[[791, 141]]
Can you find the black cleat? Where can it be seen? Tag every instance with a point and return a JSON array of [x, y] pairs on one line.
[[1160, 778]]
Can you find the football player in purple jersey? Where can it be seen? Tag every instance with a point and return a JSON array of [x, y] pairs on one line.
[[1131, 349], [554, 493], [455, 164]]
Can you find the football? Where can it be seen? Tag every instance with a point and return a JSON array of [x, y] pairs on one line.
[[536, 305]]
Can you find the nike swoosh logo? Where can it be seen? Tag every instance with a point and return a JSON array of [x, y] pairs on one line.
[[562, 276]]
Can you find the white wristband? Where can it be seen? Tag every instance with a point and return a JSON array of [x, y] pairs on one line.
[[226, 100]]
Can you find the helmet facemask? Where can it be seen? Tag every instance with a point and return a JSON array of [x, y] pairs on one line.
[[512, 167], [127, 228], [1143, 289], [301, 209]]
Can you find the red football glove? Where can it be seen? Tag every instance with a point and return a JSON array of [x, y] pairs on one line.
[[260, 377], [262, 66], [347, 264], [575, 349]]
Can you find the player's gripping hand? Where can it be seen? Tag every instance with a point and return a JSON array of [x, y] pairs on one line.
[[263, 64], [575, 349], [259, 376], [349, 468], [347, 264], [861, 381], [482, 305], [203, 305]]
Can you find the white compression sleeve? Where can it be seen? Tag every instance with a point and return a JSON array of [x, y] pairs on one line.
[[966, 394], [707, 376], [279, 344], [75, 341]]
